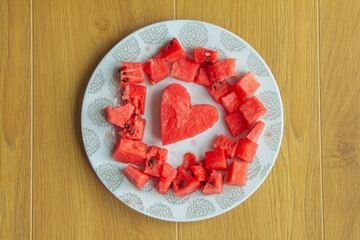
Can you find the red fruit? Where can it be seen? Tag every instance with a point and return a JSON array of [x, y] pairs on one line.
[[236, 123], [255, 132], [203, 55], [215, 160], [203, 77], [246, 150], [128, 151], [155, 159], [231, 102], [119, 115], [135, 176], [227, 144], [180, 120], [221, 70], [214, 184], [237, 174], [134, 128], [172, 51], [136, 95], [202, 163], [167, 176], [252, 109], [219, 89], [246, 86], [184, 184], [184, 69], [199, 173], [157, 69], [131, 73], [188, 161]]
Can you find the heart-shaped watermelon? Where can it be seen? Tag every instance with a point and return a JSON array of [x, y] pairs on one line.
[[180, 120]]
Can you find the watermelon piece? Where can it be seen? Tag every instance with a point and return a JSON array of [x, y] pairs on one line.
[[199, 173], [201, 163], [246, 86], [214, 184], [203, 77], [184, 69], [135, 176], [252, 109], [184, 184], [119, 115], [131, 73], [129, 151], [167, 176], [246, 150], [255, 132], [236, 123], [203, 55], [221, 70], [172, 51], [136, 95], [180, 120], [227, 144], [237, 173], [215, 160], [134, 128], [188, 161], [157, 69], [155, 159], [219, 89], [231, 102]]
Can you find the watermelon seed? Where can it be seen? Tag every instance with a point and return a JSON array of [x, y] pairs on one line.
[[212, 183], [171, 42], [215, 87], [125, 80], [134, 114], [221, 83], [124, 73], [182, 184], [152, 161], [127, 126]]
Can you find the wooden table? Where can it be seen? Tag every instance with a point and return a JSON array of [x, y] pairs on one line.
[[49, 49]]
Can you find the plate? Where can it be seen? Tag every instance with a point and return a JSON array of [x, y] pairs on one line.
[[99, 137]]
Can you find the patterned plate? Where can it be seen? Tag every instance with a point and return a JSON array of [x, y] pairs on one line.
[[99, 136]]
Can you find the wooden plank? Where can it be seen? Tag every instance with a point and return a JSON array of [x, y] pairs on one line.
[[70, 39], [340, 114], [288, 204], [15, 119]]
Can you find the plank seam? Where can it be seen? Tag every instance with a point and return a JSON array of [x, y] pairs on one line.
[[31, 113]]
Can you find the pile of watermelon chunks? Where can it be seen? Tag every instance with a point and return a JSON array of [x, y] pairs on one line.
[[242, 108]]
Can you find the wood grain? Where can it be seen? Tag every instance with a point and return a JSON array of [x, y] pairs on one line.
[[288, 204], [70, 39], [15, 119], [340, 114]]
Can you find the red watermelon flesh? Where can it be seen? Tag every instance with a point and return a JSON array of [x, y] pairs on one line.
[[180, 120], [203, 77], [157, 69], [227, 144], [167, 176], [231, 102], [214, 184], [219, 89], [119, 115], [237, 174], [184, 69], [129, 151], [172, 51], [188, 161], [236, 123], [221, 70], [136, 95], [252, 109], [203, 55], [199, 173], [135, 176], [184, 184], [202, 163], [155, 159], [215, 160], [131, 73], [255, 132], [134, 128], [246, 85], [246, 150]]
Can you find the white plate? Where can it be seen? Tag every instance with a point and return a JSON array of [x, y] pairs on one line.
[[98, 135]]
